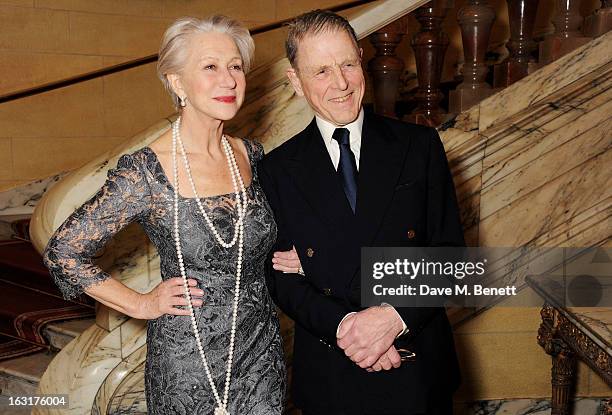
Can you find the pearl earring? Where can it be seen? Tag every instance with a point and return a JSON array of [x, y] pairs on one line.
[[183, 102]]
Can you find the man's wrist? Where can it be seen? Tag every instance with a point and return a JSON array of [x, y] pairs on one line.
[[401, 327], [342, 321]]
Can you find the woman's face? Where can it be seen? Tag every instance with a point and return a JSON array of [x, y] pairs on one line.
[[212, 79]]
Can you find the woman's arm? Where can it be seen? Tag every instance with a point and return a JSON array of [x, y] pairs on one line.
[[125, 197]]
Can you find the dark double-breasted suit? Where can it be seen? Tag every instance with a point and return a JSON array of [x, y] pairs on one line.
[[405, 197]]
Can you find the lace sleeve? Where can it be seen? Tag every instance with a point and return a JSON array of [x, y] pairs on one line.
[[258, 150], [124, 198]]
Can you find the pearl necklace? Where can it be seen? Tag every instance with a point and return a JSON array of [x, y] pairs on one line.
[[241, 207]]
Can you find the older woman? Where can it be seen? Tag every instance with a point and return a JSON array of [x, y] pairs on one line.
[[213, 343]]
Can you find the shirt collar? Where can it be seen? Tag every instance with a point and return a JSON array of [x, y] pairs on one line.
[[327, 128]]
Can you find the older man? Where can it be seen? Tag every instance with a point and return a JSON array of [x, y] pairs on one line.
[[350, 180]]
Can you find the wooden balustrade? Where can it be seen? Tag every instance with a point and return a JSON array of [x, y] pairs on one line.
[[429, 46], [522, 15], [567, 35], [600, 21], [386, 67], [475, 19]]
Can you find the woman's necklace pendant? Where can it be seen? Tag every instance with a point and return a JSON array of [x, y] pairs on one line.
[[221, 411]]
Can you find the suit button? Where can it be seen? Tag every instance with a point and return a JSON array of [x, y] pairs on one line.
[[410, 234], [310, 252], [327, 291]]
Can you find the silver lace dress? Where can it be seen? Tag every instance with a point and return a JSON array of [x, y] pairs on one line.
[[175, 380]]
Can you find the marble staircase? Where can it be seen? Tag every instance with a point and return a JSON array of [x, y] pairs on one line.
[[21, 375], [496, 149]]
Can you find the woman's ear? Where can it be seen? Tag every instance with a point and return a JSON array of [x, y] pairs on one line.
[[176, 84]]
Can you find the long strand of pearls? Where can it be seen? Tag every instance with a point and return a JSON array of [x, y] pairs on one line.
[[241, 207], [233, 167]]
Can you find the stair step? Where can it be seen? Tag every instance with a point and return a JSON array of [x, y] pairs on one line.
[[20, 376], [21, 255], [61, 333]]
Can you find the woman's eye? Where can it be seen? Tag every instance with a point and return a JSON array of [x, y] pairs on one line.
[[237, 67], [210, 67]]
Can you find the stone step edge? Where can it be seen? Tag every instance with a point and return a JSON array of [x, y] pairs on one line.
[[60, 333]]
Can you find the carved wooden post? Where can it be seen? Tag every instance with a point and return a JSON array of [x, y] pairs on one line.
[[562, 379], [386, 68], [475, 19], [563, 361], [600, 21], [522, 15], [567, 36], [429, 46]]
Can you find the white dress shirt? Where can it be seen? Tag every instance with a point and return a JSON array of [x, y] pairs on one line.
[[333, 148]]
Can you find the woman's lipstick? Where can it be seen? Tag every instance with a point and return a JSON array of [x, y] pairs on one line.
[[226, 99]]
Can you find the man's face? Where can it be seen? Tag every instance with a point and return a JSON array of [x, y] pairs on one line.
[[328, 74]]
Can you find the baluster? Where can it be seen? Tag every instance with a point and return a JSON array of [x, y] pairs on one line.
[[522, 14], [567, 36], [475, 19], [600, 21], [386, 67], [429, 46]]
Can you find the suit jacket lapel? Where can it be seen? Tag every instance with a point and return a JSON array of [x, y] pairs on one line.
[[314, 174], [381, 161]]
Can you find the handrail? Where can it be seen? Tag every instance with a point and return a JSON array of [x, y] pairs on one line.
[[12, 96]]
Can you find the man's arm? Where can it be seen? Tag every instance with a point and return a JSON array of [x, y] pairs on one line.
[[443, 223], [443, 229], [293, 293]]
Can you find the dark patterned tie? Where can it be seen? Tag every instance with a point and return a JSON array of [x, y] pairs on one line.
[[347, 167]]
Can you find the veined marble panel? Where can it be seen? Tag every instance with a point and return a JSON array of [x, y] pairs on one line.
[[588, 228], [133, 336], [555, 202], [122, 392], [22, 200], [584, 406], [79, 369], [575, 150], [129, 399], [545, 81], [522, 141]]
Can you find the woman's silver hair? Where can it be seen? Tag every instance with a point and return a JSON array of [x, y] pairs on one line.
[[173, 50]]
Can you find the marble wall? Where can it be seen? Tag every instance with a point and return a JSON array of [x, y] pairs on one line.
[[530, 167]]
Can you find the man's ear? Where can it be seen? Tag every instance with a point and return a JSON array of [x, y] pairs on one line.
[[360, 53], [175, 84], [295, 81]]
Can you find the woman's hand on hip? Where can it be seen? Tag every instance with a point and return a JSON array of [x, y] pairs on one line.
[[164, 298]]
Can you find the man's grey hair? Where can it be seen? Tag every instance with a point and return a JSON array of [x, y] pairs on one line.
[[174, 47], [313, 23]]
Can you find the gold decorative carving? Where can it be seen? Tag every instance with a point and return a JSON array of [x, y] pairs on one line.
[[564, 341]]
